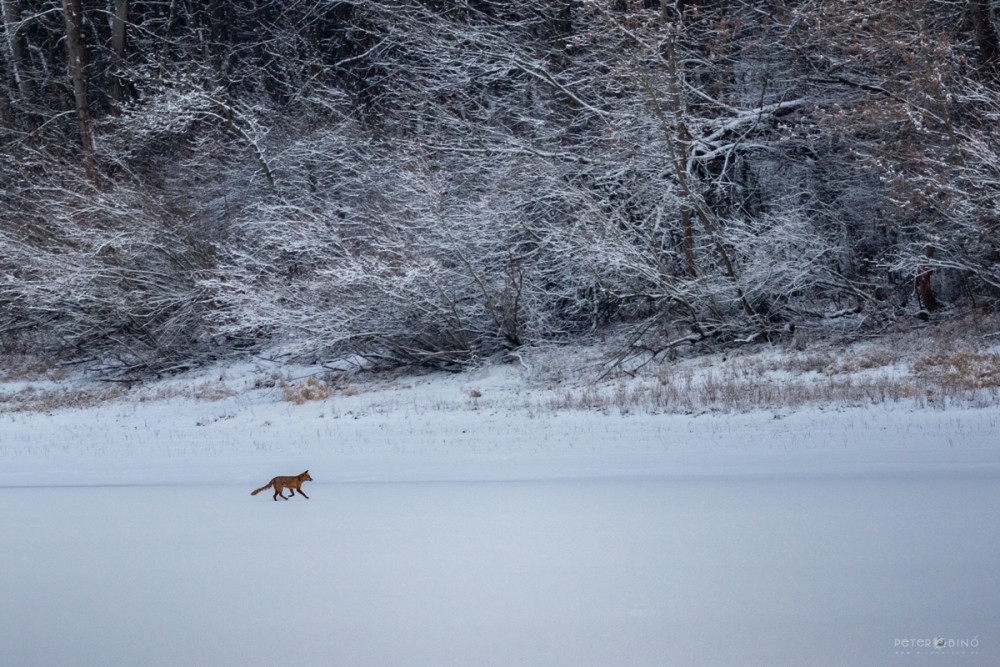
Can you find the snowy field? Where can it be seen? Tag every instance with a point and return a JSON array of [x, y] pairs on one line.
[[443, 530]]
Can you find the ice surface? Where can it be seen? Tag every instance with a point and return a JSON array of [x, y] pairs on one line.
[[459, 536]]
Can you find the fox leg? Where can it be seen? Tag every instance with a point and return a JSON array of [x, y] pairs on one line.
[[302, 494], [278, 492]]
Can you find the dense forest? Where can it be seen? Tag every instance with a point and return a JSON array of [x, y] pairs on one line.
[[432, 182]]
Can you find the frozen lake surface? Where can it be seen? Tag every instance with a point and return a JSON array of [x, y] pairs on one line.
[[444, 534], [777, 570]]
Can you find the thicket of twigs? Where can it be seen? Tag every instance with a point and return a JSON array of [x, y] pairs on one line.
[[419, 182]]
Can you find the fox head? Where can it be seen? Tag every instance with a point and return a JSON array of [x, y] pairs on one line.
[[305, 477]]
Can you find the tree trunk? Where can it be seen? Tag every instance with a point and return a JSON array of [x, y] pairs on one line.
[[924, 289], [20, 58], [986, 36], [688, 228], [118, 34], [76, 61], [6, 88], [165, 44]]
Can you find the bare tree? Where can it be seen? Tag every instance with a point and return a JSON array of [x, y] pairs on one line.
[[447, 181], [76, 59], [986, 35], [119, 25]]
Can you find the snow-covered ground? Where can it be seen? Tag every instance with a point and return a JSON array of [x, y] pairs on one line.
[[450, 528]]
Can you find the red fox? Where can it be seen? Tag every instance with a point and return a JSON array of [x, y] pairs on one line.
[[293, 482]]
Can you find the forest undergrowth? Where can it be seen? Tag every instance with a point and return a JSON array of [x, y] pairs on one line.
[[952, 364]]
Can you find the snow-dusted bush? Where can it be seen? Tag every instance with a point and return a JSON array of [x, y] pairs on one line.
[[418, 184]]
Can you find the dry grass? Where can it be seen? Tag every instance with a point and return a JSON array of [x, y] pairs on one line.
[[960, 371], [717, 393], [212, 391], [33, 399], [924, 369], [872, 374], [14, 367], [866, 360], [310, 389], [203, 391], [314, 388]]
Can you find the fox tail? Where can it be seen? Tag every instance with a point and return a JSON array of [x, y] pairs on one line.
[[254, 493]]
